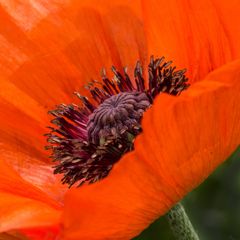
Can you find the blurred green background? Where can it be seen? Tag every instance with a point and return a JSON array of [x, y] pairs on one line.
[[214, 207]]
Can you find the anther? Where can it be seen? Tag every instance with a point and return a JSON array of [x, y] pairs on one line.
[[89, 139]]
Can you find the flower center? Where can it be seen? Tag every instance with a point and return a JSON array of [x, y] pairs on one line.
[[88, 139], [116, 115]]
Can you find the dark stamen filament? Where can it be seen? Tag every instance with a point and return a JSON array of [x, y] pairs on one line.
[[88, 140]]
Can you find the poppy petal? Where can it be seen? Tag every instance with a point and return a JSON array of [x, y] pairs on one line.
[[228, 22], [52, 58], [19, 212], [22, 145], [11, 182], [22, 121], [46, 233], [179, 31], [184, 139], [12, 235]]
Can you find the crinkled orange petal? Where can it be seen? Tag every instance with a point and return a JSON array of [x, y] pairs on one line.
[[184, 139], [12, 235], [23, 205], [197, 35], [23, 122], [19, 212], [40, 233], [11, 182], [57, 46], [20, 171], [228, 14]]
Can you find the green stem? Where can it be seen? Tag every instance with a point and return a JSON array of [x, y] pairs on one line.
[[180, 224]]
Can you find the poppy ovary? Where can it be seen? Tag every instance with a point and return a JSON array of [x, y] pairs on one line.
[[117, 116], [88, 139]]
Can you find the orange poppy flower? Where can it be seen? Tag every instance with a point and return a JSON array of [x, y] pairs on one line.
[[49, 49]]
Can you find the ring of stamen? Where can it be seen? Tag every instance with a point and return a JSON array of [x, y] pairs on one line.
[[88, 140]]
